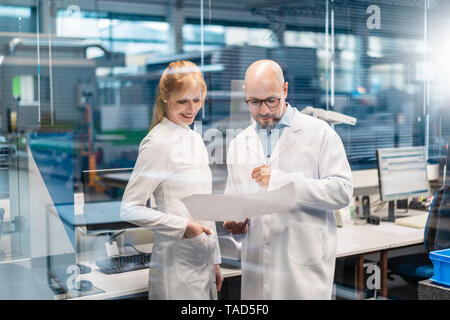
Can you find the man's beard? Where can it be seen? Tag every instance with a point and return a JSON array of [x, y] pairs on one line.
[[268, 126]]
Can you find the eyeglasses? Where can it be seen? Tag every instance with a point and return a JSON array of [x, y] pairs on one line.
[[271, 103]]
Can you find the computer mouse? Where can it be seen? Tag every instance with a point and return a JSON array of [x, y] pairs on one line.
[[84, 285], [84, 269]]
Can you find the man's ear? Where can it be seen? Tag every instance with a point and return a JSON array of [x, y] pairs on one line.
[[285, 89]]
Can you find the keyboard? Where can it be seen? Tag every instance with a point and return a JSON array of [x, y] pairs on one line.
[[121, 264]]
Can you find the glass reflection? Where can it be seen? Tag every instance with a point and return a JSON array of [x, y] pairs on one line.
[[79, 81]]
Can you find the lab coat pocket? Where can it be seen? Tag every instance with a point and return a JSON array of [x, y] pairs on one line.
[[305, 244], [193, 256], [202, 240]]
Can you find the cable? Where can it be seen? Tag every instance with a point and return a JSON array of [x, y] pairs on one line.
[[138, 251], [111, 235], [116, 235], [380, 206], [111, 238], [372, 203]]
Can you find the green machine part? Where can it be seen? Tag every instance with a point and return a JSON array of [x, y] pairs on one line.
[[16, 87]]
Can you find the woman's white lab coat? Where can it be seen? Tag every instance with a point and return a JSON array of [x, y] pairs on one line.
[[173, 164], [291, 255]]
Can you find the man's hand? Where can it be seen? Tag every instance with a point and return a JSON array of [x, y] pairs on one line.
[[262, 176], [236, 227]]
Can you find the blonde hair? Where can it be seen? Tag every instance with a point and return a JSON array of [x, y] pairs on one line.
[[177, 78]]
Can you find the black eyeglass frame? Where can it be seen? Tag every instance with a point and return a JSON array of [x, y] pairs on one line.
[[265, 102]]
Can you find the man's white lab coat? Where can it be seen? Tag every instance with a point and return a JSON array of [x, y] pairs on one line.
[[291, 255]]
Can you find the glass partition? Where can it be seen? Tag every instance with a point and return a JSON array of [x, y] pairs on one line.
[[79, 81]]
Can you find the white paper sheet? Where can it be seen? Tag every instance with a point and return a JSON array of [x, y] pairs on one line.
[[222, 207]]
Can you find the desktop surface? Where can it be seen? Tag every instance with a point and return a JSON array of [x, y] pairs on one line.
[[351, 240]]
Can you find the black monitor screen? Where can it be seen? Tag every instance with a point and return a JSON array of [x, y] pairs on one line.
[[102, 193]]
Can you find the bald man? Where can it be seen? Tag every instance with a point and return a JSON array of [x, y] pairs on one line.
[[287, 255]]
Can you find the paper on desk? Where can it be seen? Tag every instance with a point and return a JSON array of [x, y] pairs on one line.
[[223, 207]]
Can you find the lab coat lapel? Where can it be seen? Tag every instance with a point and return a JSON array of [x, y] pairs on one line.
[[253, 143], [289, 136]]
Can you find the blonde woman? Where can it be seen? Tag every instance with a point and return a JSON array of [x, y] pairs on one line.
[[173, 164]]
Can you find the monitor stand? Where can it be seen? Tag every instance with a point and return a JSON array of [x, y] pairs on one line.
[[391, 213], [111, 246]]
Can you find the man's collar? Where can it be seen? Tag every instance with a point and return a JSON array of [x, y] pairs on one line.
[[287, 117]]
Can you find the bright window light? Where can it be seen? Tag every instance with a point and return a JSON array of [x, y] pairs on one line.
[[7, 11]]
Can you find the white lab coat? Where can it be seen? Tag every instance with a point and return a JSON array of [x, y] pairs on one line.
[[291, 255], [173, 164]]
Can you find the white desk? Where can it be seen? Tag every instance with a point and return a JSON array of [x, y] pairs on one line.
[[126, 283], [352, 240], [358, 240]]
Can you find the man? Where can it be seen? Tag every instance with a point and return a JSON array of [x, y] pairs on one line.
[[287, 255]]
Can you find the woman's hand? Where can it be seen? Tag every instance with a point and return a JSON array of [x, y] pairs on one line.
[[195, 229], [219, 277]]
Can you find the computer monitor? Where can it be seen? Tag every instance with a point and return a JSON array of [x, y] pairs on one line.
[[102, 192], [402, 174]]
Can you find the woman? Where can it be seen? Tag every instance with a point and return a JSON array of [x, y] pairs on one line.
[[173, 164]]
